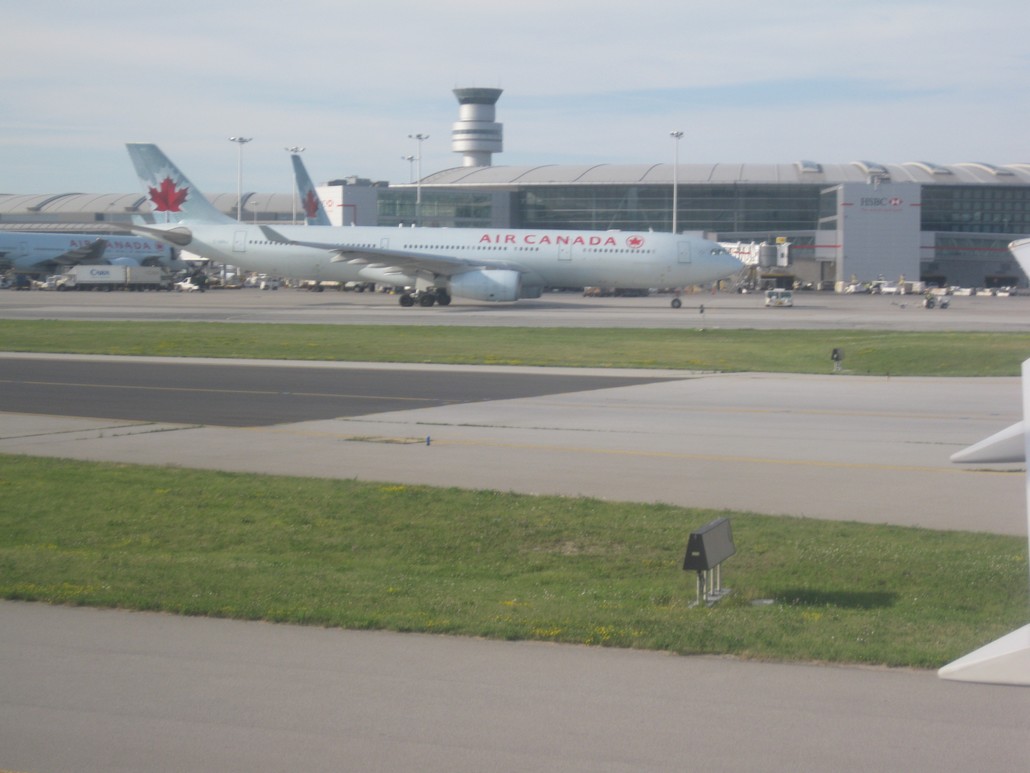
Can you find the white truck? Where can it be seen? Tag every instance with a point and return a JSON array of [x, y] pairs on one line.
[[90, 277]]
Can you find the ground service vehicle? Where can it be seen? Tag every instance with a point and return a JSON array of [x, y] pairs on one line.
[[779, 298], [102, 277]]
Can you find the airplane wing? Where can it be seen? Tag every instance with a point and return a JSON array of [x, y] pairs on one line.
[[395, 260], [90, 253], [1001, 447], [1005, 660], [178, 235]]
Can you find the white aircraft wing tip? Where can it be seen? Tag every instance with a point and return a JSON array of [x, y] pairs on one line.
[[1001, 447], [1003, 661]]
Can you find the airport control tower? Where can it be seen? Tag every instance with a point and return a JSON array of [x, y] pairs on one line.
[[476, 134]]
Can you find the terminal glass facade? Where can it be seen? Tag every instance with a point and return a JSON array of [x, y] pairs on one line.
[[593, 207], [726, 209], [976, 209], [458, 209]]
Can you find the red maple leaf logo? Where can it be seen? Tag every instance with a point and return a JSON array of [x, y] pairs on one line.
[[310, 204], [635, 242], [168, 198]]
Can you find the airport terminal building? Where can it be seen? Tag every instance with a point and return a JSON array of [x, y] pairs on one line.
[[826, 224], [834, 223]]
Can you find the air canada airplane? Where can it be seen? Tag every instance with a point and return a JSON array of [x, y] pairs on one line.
[[31, 252], [484, 264]]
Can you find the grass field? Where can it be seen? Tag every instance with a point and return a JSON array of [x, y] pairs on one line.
[[483, 563], [794, 351]]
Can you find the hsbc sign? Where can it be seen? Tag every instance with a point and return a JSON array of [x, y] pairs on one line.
[[880, 202]]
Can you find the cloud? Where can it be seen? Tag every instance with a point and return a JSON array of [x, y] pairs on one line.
[[582, 82]]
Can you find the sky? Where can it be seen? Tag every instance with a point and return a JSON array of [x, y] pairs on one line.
[[593, 82]]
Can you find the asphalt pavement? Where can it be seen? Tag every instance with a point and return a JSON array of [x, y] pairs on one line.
[[847, 448], [99, 691], [90, 690], [723, 310]]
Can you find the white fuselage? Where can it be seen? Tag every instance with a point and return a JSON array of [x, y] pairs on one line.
[[543, 258]]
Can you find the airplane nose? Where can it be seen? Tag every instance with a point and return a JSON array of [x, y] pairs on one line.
[[729, 263]]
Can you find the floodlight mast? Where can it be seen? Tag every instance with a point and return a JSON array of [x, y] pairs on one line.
[[240, 142], [419, 139], [676, 137], [294, 150]]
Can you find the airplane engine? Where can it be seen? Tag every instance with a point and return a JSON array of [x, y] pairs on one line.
[[490, 284]]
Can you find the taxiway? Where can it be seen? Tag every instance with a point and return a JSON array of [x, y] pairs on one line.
[[90, 690]]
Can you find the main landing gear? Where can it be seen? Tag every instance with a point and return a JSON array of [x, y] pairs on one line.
[[426, 297]]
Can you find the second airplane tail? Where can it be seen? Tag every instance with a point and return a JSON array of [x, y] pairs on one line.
[[169, 191], [314, 212]]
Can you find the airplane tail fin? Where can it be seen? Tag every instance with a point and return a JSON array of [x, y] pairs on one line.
[[314, 212], [169, 191]]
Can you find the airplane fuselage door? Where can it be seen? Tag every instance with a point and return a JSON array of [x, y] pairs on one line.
[[683, 252], [564, 252], [239, 241]]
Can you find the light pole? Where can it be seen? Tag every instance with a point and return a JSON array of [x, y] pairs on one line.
[[411, 167], [676, 137], [293, 150], [240, 142], [419, 139]]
